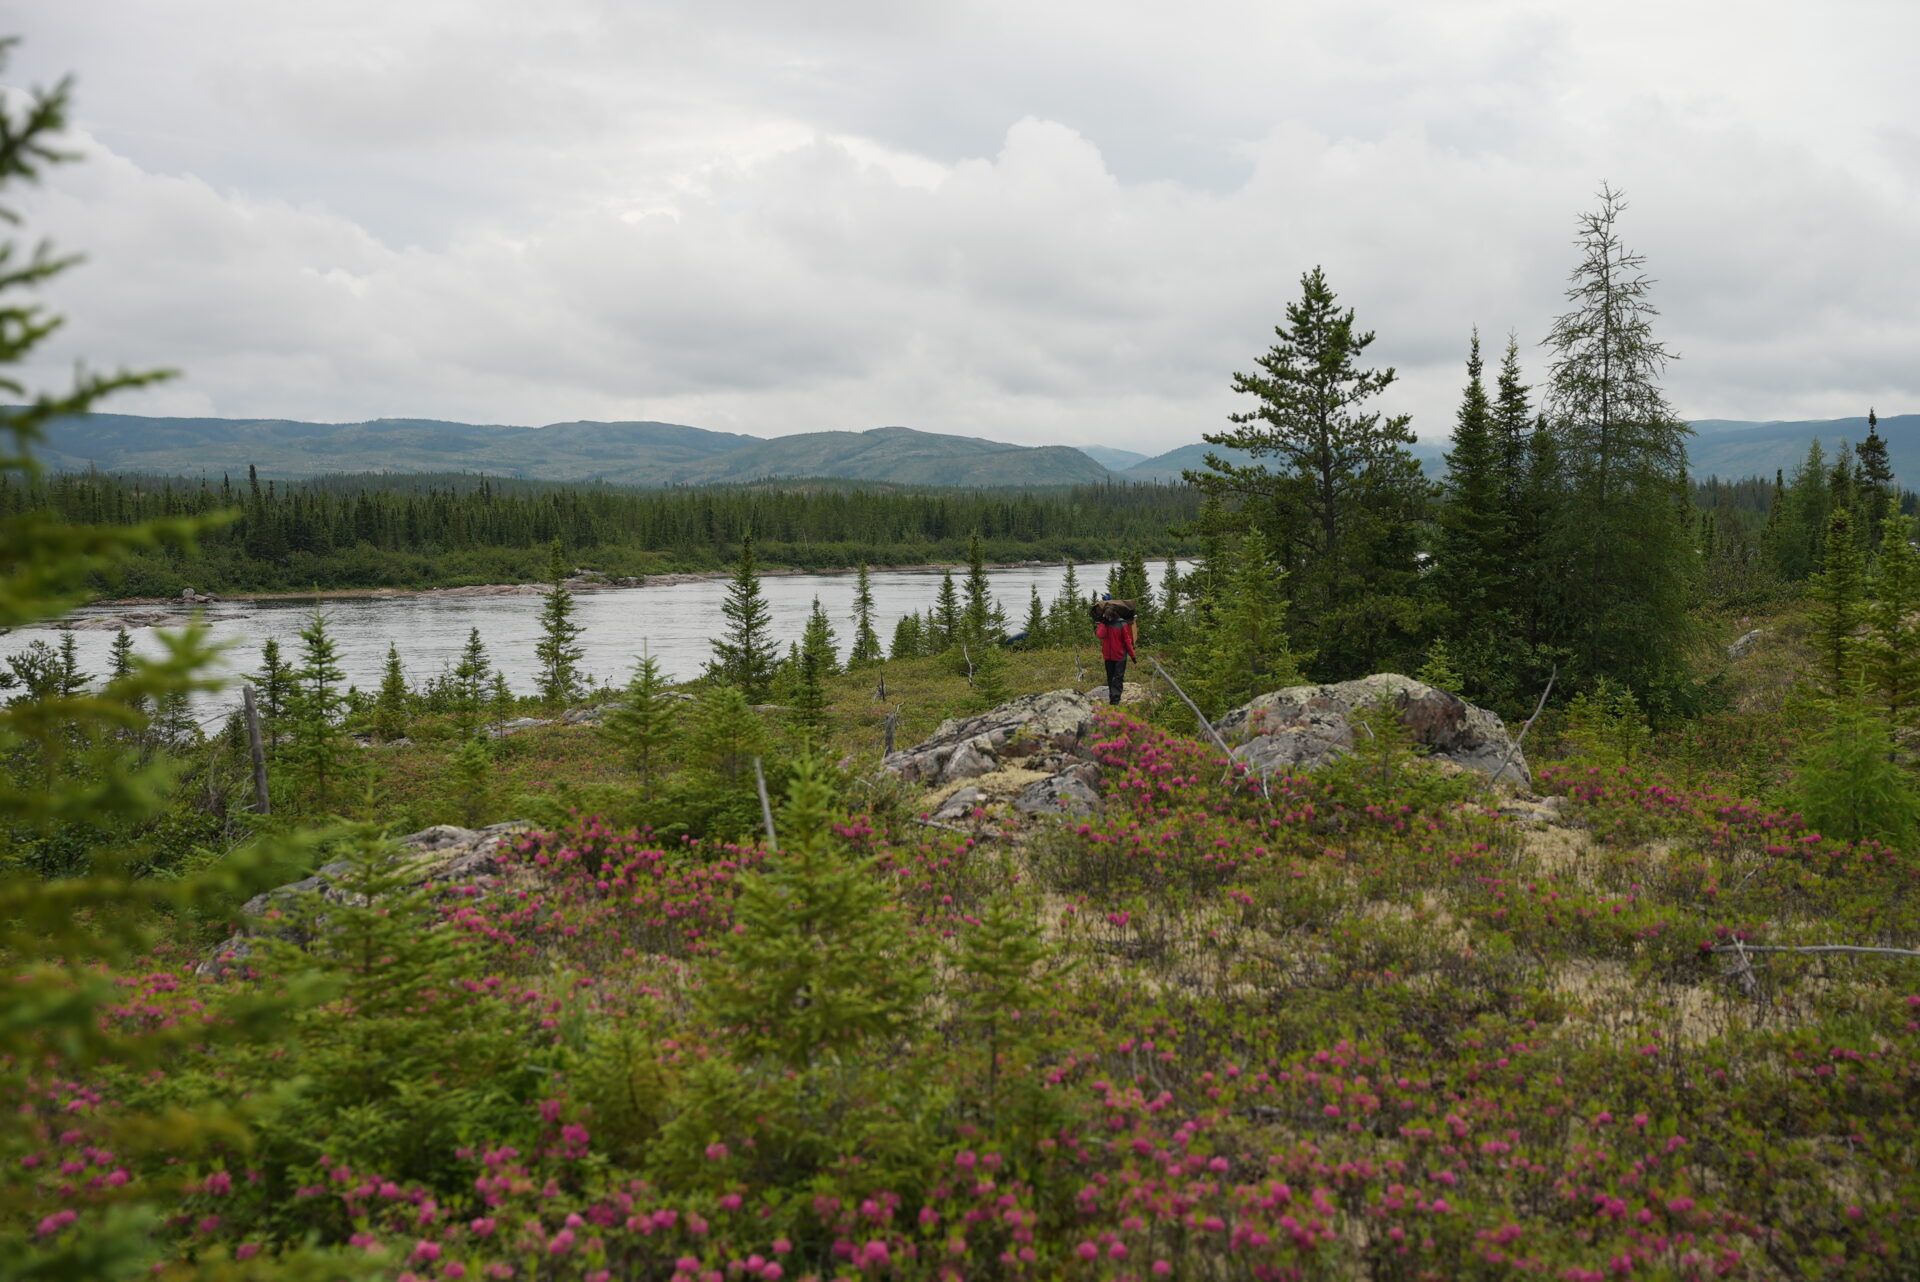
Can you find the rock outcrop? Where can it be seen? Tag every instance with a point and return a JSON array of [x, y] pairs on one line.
[[444, 855], [1033, 753], [1034, 730], [129, 621], [1302, 727]]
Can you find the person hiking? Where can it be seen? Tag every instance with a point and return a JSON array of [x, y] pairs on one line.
[[1113, 624]]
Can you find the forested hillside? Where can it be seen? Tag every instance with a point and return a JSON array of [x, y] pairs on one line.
[[364, 532], [645, 454]]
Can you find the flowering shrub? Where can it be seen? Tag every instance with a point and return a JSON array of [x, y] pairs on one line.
[[1220, 1030]]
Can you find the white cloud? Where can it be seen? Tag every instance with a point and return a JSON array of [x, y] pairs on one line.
[[1055, 223]]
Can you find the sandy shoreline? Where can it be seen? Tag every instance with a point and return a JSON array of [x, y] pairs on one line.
[[529, 589]]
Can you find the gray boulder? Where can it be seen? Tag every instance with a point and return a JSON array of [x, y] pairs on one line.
[[1069, 792], [444, 855], [1034, 726], [959, 806], [1302, 727], [1744, 643]]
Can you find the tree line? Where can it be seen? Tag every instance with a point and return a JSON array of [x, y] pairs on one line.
[[380, 531]]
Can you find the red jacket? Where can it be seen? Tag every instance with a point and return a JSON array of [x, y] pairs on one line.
[[1116, 640]]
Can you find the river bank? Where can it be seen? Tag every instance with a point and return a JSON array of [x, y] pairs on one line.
[[578, 584]]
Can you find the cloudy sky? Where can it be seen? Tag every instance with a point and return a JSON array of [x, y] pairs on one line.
[[1053, 222]]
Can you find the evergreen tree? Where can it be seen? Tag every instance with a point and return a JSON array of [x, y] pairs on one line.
[[1803, 525], [908, 642], [1127, 581], [1512, 429], [559, 650], [744, 657], [1474, 554], [1624, 528], [814, 665], [1248, 652], [1838, 593], [472, 675], [822, 964], [1875, 474], [274, 684], [1066, 619], [644, 725], [62, 1006], [1893, 640], [468, 779], [393, 705], [1036, 622], [947, 619], [1343, 507], [500, 700], [1848, 785], [866, 642], [977, 617], [120, 656], [317, 747], [71, 680], [723, 737], [120, 665]]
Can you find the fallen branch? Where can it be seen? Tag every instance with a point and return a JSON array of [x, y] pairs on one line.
[[983, 835], [766, 807], [1202, 719], [1518, 739], [1198, 715], [1813, 948]]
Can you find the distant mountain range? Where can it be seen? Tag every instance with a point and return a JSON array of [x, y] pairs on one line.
[[1731, 449], [657, 454], [649, 454]]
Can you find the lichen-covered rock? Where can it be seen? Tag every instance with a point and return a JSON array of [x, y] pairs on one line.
[[1066, 793], [443, 854], [959, 805], [1302, 727], [1035, 725]]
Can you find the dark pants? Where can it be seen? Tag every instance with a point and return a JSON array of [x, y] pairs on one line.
[[1116, 678]]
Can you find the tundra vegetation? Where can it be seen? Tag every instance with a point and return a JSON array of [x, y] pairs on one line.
[[1375, 1021]]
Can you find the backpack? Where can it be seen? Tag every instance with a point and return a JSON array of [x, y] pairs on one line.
[[1112, 612]]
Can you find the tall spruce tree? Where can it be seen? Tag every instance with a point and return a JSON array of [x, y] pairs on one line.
[[71, 939], [745, 657], [643, 726], [1474, 553], [470, 687], [1345, 498], [866, 649], [1247, 650], [908, 641], [1066, 624], [1624, 524], [318, 749], [977, 615], [273, 683], [814, 663], [1802, 528], [393, 706], [1839, 597], [947, 618], [1878, 494], [559, 650], [1893, 638]]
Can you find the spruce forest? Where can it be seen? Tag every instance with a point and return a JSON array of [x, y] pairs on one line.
[[1509, 875]]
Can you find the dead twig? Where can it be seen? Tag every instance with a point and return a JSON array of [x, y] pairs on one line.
[[1738, 947], [1519, 738]]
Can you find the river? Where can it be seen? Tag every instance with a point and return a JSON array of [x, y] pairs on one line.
[[674, 622]]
